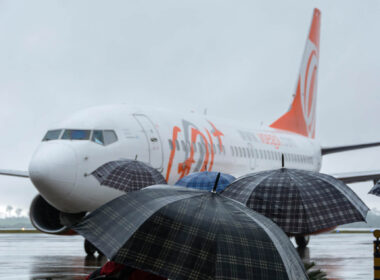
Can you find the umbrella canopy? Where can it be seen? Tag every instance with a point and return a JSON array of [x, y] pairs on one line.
[[299, 201], [128, 175], [376, 189], [182, 233], [206, 180]]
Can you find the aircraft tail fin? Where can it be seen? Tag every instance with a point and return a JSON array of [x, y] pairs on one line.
[[301, 116]]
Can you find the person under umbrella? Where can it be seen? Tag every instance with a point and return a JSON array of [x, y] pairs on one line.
[[114, 271], [376, 189], [205, 180], [301, 202], [182, 233], [127, 175]]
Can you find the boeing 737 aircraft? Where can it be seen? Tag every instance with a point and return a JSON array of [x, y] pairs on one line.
[[176, 144]]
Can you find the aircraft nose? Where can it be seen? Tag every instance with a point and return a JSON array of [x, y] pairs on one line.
[[53, 172]]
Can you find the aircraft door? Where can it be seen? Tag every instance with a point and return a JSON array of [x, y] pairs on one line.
[[153, 139], [252, 158]]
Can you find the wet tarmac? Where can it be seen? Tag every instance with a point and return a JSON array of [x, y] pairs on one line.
[[41, 256]]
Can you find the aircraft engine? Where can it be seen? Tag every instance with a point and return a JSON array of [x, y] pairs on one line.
[[48, 219]]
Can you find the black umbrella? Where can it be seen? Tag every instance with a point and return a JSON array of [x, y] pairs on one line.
[[376, 189], [299, 201], [181, 233], [128, 175]]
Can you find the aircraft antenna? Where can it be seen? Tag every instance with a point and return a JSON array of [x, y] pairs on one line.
[[282, 161]]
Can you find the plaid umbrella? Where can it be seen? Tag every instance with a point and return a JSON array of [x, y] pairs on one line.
[[299, 201], [205, 180], [127, 175], [376, 189], [182, 233]]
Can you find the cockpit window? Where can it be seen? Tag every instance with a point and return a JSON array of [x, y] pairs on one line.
[[97, 137], [104, 137], [76, 134], [109, 137], [52, 135], [101, 137]]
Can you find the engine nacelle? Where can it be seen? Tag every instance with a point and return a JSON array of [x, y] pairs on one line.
[[48, 219]]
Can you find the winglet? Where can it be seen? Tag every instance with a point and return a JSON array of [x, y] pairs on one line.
[[301, 116]]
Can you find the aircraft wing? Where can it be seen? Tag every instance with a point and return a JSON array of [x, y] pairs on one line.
[[16, 173], [338, 149], [356, 177]]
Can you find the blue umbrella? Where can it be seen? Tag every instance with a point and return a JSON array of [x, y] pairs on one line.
[[205, 180]]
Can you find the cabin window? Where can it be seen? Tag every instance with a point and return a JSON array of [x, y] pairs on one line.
[[183, 145], [177, 145], [170, 144], [200, 147]]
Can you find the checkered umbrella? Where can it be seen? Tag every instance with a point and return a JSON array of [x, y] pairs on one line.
[[127, 175], [205, 180], [182, 233], [376, 189], [299, 201]]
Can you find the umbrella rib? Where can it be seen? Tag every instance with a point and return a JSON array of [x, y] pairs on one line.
[[283, 252], [347, 196], [294, 179], [155, 212], [251, 189]]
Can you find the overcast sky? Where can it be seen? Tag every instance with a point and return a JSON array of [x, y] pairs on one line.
[[238, 59]]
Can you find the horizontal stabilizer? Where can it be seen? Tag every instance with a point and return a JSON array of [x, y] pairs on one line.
[[15, 173], [356, 177], [338, 149]]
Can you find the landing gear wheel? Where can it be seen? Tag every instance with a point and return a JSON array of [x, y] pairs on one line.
[[302, 240], [89, 248]]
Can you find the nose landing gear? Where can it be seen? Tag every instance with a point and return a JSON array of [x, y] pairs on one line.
[[302, 240], [90, 249]]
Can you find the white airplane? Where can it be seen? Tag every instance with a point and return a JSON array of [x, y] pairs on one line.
[[176, 144]]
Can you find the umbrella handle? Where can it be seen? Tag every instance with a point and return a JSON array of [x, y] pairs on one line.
[[216, 183]]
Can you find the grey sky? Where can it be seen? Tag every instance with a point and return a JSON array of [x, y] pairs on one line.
[[239, 59]]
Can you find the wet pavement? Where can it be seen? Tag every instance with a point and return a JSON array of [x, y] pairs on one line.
[[41, 256]]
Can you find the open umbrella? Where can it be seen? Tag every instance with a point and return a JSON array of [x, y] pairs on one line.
[[205, 180], [299, 201], [182, 233], [127, 175], [376, 189]]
